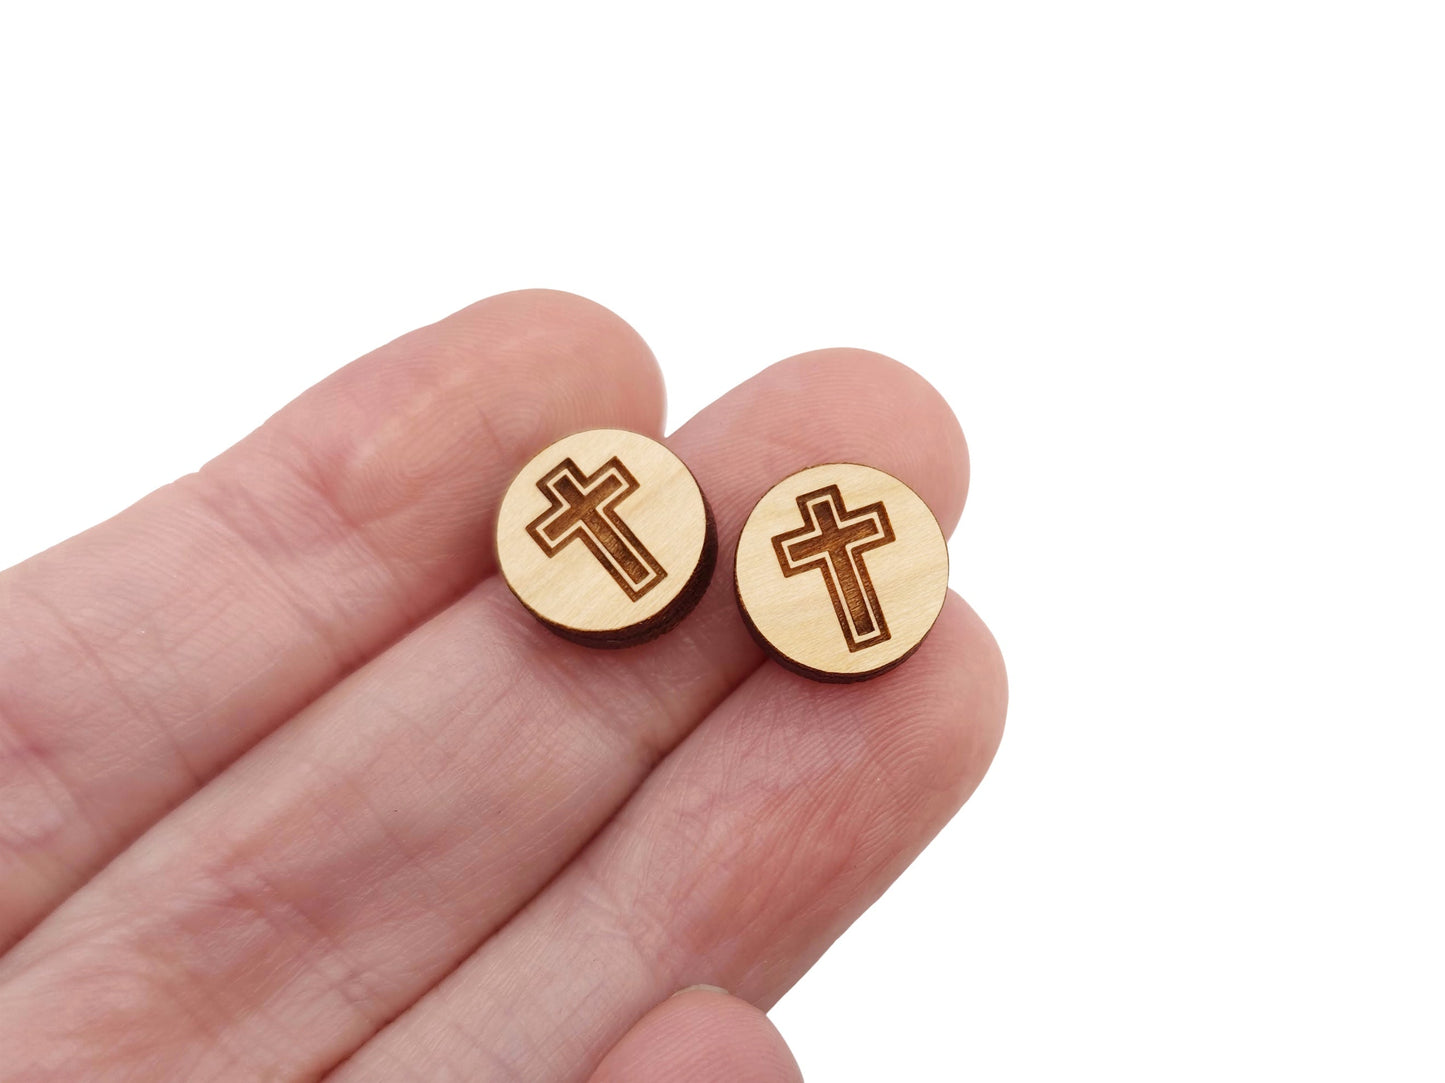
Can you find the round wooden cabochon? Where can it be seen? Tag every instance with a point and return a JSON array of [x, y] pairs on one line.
[[841, 571], [606, 538]]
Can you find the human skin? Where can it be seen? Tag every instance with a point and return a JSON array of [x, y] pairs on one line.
[[290, 784]]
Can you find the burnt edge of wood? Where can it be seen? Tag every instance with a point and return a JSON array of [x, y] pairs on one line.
[[634, 635]]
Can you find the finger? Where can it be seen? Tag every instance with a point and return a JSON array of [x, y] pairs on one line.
[[351, 861], [138, 658], [700, 1035], [741, 858]]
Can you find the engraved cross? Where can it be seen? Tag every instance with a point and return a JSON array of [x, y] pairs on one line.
[[833, 540], [584, 507]]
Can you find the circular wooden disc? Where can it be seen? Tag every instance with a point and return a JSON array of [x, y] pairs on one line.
[[841, 571], [606, 538]]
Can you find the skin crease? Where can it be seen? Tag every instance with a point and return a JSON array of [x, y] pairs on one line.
[[417, 835]]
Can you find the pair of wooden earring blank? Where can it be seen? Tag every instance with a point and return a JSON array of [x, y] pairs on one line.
[[606, 538]]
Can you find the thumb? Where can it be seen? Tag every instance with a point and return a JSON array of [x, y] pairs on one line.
[[702, 1035]]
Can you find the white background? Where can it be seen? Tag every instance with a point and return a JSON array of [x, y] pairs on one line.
[[1179, 268]]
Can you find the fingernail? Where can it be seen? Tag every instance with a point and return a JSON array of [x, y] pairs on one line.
[[703, 988]]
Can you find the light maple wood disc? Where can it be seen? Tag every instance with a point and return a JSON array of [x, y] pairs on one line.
[[606, 538], [841, 571]]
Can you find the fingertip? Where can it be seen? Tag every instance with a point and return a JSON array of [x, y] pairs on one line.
[[439, 418], [620, 372], [959, 675], [702, 1035], [844, 404]]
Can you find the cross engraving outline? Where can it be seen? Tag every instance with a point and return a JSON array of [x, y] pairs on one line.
[[833, 540], [583, 506]]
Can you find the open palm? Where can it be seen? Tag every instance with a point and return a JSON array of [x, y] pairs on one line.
[[290, 784]]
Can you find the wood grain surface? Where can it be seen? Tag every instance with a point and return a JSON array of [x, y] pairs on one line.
[[606, 538], [841, 570]]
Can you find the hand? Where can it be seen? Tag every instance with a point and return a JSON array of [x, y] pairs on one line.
[[290, 783]]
